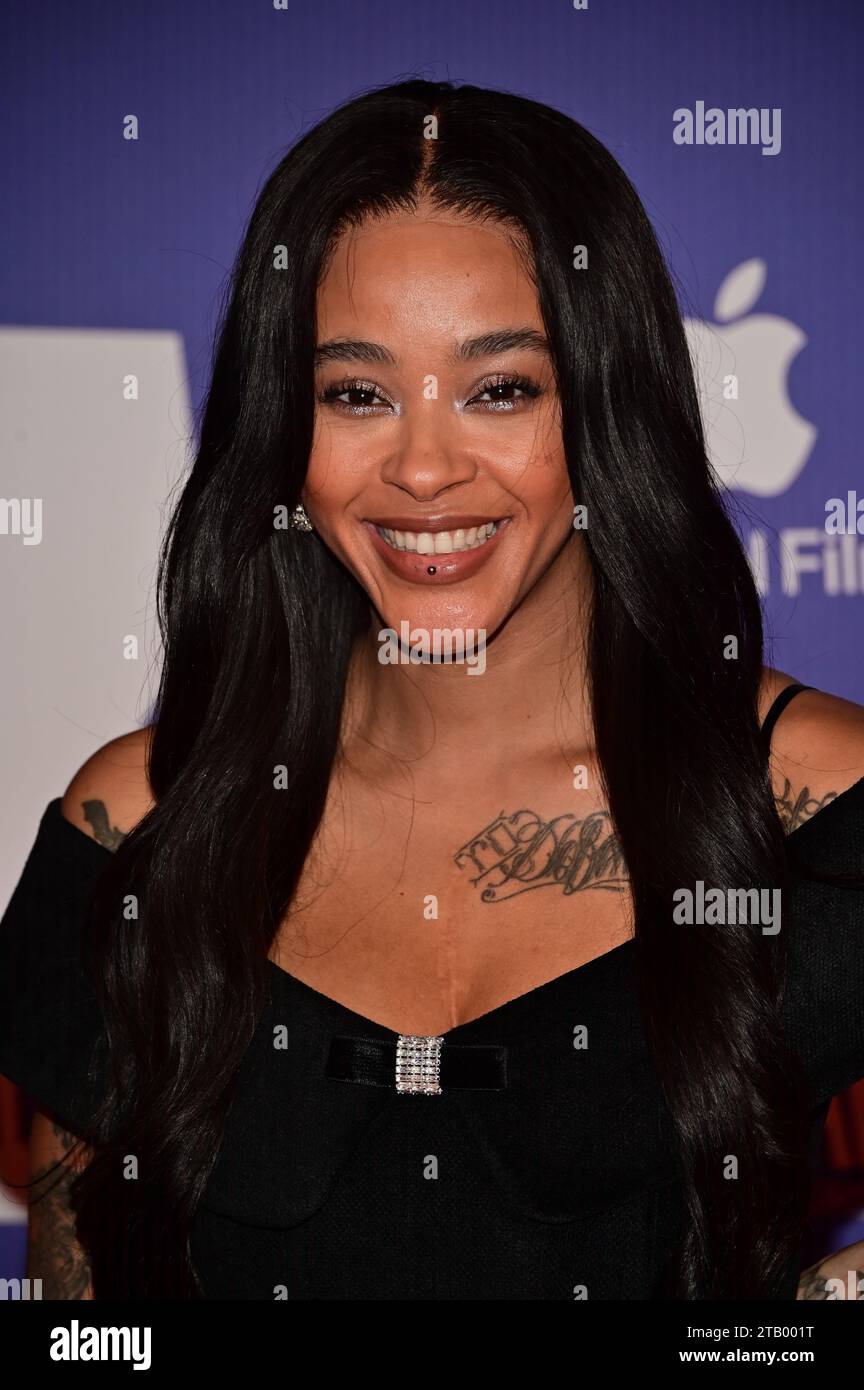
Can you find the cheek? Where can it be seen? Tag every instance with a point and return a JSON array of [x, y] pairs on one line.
[[335, 467], [537, 474], [528, 457], [542, 485]]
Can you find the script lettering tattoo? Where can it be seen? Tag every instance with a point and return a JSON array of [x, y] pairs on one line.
[[96, 815], [518, 852], [53, 1252], [794, 810]]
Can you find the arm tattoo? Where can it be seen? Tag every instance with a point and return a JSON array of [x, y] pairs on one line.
[[518, 852], [96, 815], [793, 811], [53, 1252]]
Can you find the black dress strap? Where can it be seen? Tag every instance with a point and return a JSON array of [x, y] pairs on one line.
[[778, 707]]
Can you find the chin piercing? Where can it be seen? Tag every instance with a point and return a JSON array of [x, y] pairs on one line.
[[431, 570]]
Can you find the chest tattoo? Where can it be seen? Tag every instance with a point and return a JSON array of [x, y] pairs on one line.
[[518, 852]]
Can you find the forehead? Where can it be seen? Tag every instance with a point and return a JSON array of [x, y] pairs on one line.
[[440, 274]]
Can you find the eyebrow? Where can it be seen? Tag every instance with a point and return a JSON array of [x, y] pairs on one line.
[[486, 345]]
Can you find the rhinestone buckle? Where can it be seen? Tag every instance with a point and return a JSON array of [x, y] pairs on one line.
[[418, 1065]]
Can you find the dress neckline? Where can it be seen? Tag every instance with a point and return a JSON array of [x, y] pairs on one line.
[[287, 982], [478, 1020]]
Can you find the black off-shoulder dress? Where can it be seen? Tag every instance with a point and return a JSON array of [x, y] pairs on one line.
[[536, 1171]]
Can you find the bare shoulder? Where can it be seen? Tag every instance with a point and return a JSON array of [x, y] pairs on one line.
[[111, 792], [817, 747]]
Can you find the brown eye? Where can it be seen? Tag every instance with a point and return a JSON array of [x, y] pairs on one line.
[[356, 397], [505, 392]]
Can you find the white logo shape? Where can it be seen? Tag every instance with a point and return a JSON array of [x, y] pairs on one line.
[[756, 442]]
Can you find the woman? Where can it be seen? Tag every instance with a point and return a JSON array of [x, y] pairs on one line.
[[451, 392]]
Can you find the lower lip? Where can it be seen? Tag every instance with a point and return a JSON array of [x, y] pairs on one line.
[[449, 569]]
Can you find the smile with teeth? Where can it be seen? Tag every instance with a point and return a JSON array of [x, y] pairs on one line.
[[439, 542]]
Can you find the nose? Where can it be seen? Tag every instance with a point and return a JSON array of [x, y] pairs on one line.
[[428, 455]]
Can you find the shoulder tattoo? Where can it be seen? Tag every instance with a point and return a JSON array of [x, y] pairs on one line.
[[794, 809], [96, 816]]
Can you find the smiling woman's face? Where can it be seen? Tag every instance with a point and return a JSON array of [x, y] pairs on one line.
[[437, 470]]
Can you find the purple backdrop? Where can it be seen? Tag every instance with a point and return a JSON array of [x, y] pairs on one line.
[[106, 232]]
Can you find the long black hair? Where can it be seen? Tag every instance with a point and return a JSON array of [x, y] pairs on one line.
[[258, 624]]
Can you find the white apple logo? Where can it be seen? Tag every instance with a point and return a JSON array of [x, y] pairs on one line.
[[757, 442]]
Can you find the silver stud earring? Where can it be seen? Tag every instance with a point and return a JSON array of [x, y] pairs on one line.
[[299, 519]]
